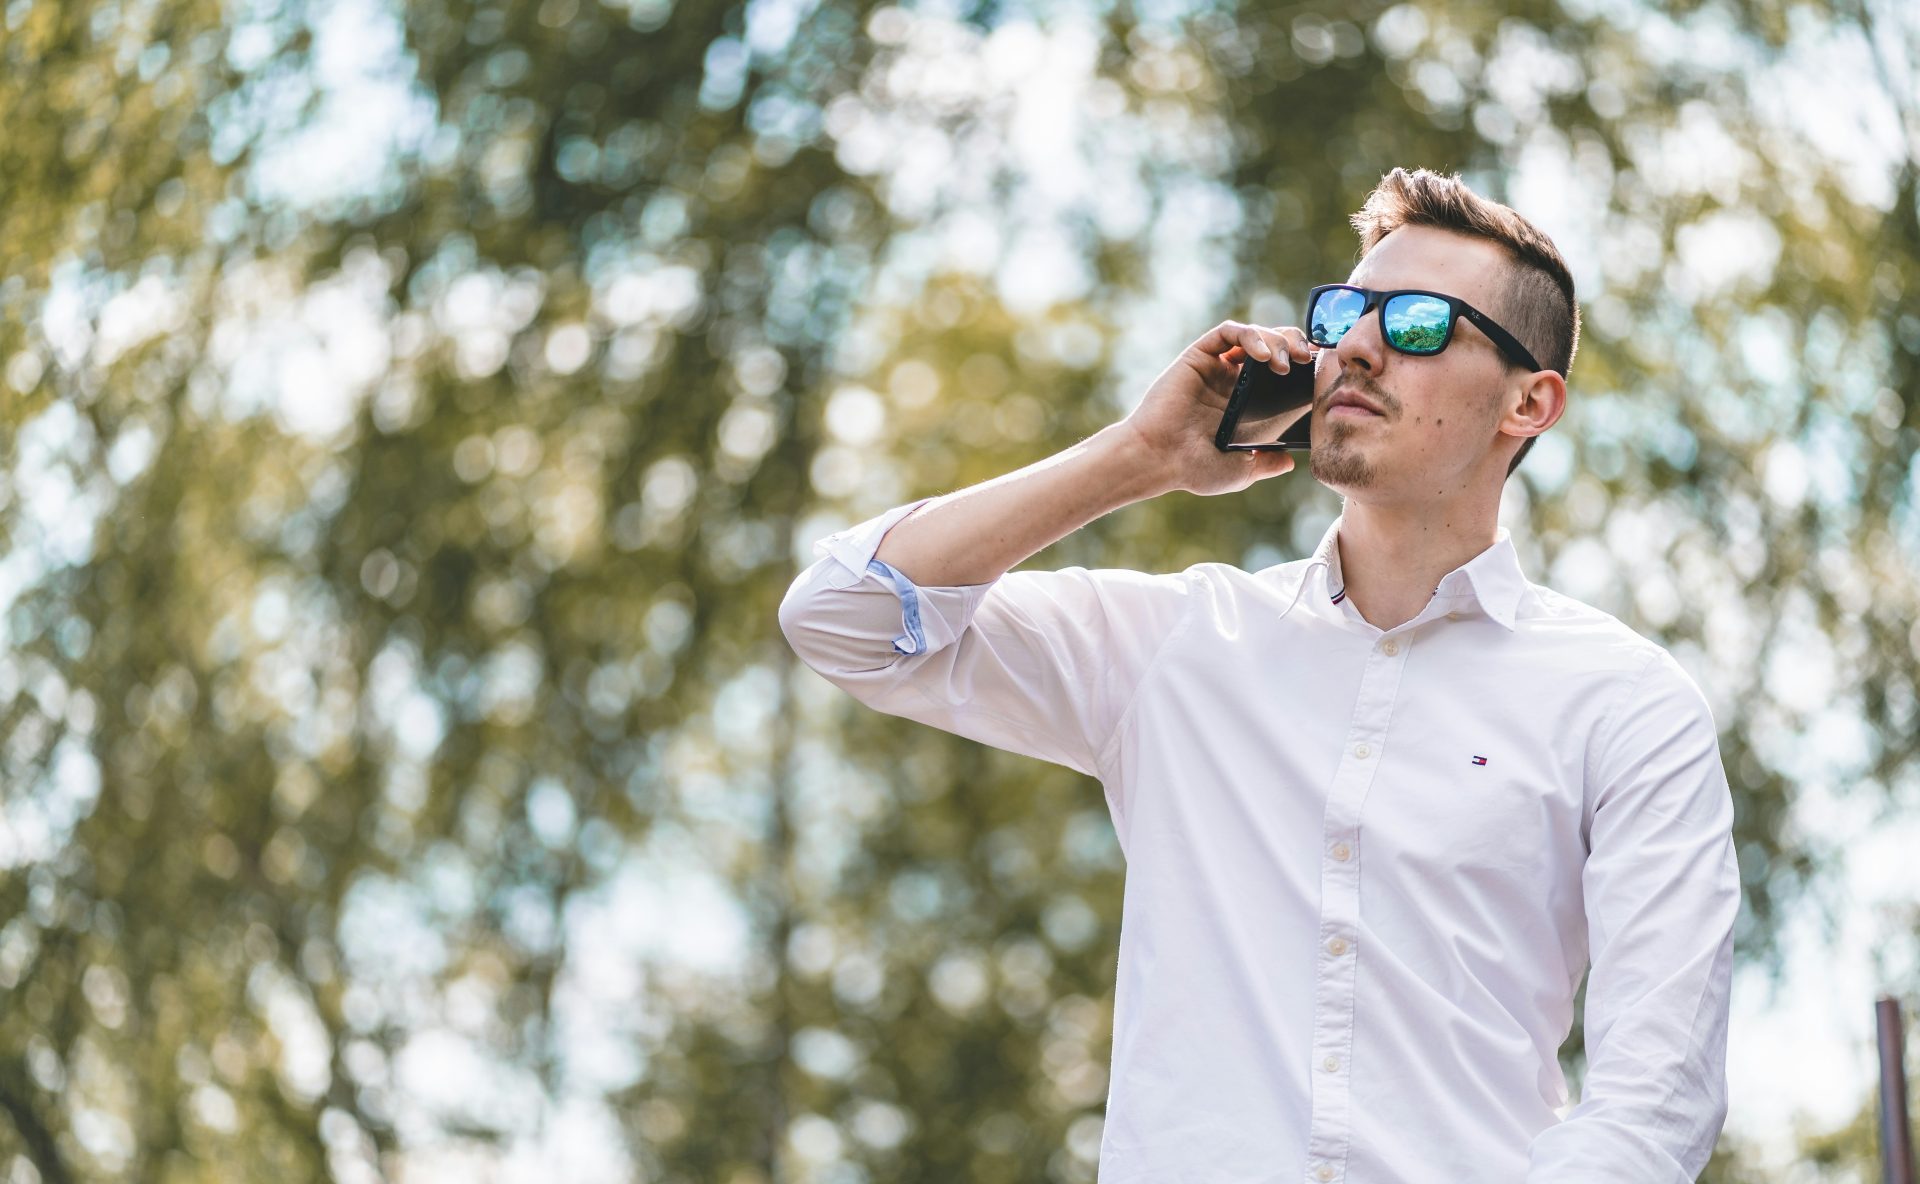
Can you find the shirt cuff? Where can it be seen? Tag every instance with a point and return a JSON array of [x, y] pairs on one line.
[[914, 640], [853, 547], [931, 618]]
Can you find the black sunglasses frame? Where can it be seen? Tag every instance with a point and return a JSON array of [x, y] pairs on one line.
[[1456, 308]]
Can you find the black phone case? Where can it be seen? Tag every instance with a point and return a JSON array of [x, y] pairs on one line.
[[1260, 389]]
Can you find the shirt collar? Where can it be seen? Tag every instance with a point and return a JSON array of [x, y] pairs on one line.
[[1492, 580]]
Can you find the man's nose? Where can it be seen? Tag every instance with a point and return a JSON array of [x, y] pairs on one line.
[[1362, 345]]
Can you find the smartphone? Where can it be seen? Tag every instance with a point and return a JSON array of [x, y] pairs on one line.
[[1268, 412]]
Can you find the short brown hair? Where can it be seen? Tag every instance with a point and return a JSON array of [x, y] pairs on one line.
[[1537, 304]]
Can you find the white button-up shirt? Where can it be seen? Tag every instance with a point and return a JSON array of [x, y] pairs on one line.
[[1365, 868]]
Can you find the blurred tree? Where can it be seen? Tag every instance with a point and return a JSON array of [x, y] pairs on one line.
[[394, 704]]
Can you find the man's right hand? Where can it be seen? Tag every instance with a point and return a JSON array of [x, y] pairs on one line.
[[975, 535], [1177, 419]]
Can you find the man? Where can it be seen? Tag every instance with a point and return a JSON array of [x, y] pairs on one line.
[[1378, 805]]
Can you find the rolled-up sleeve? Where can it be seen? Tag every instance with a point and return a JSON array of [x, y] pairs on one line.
[[1042, 663], [1662, 890]]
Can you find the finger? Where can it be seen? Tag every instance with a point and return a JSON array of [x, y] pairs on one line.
[[1278, 357], [1297, 344], [1223, 338]]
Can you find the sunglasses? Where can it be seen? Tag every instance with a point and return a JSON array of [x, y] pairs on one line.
[[1412, 321]]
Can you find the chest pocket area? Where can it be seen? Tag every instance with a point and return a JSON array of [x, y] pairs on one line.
[[1460, 818]]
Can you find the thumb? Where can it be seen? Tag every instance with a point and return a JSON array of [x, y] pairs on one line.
[[1271, 464]]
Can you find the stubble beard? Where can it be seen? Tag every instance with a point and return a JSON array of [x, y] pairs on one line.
[[1335, 460]]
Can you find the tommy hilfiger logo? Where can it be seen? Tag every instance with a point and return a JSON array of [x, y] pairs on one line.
[[1479, 760]]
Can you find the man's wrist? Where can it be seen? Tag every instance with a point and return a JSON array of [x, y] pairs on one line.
[[1133, 469]]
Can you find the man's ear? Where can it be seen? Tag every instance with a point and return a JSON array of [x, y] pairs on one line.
[[1541, 401]]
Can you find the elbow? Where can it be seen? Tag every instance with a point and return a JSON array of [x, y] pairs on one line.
[[792, 616], [811, 622], [842, 634]]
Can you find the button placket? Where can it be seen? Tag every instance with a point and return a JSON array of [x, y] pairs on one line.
[[1330, 1132]]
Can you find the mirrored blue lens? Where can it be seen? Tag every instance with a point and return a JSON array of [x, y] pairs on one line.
[[1333, 314], [1417, 324]]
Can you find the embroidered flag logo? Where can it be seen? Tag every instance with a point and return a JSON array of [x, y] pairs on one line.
[[1479, 760]]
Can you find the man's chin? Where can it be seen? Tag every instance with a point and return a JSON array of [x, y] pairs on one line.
[[1342, 469]]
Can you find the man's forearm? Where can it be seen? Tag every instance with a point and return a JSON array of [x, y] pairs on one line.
[[974, 535]]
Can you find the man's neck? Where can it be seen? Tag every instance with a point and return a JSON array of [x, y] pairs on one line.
[[1392, 556]]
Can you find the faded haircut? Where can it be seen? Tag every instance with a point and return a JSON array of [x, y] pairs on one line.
[[1536, 304]]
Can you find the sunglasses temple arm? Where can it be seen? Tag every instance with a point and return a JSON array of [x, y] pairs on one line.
[[1504, 339]]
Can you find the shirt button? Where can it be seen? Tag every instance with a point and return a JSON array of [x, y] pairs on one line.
[[1453, 616], [1389, 647], [1337, 946], [1330, 1064], [1325, 1172], [1362, 751], [1341, 851]]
